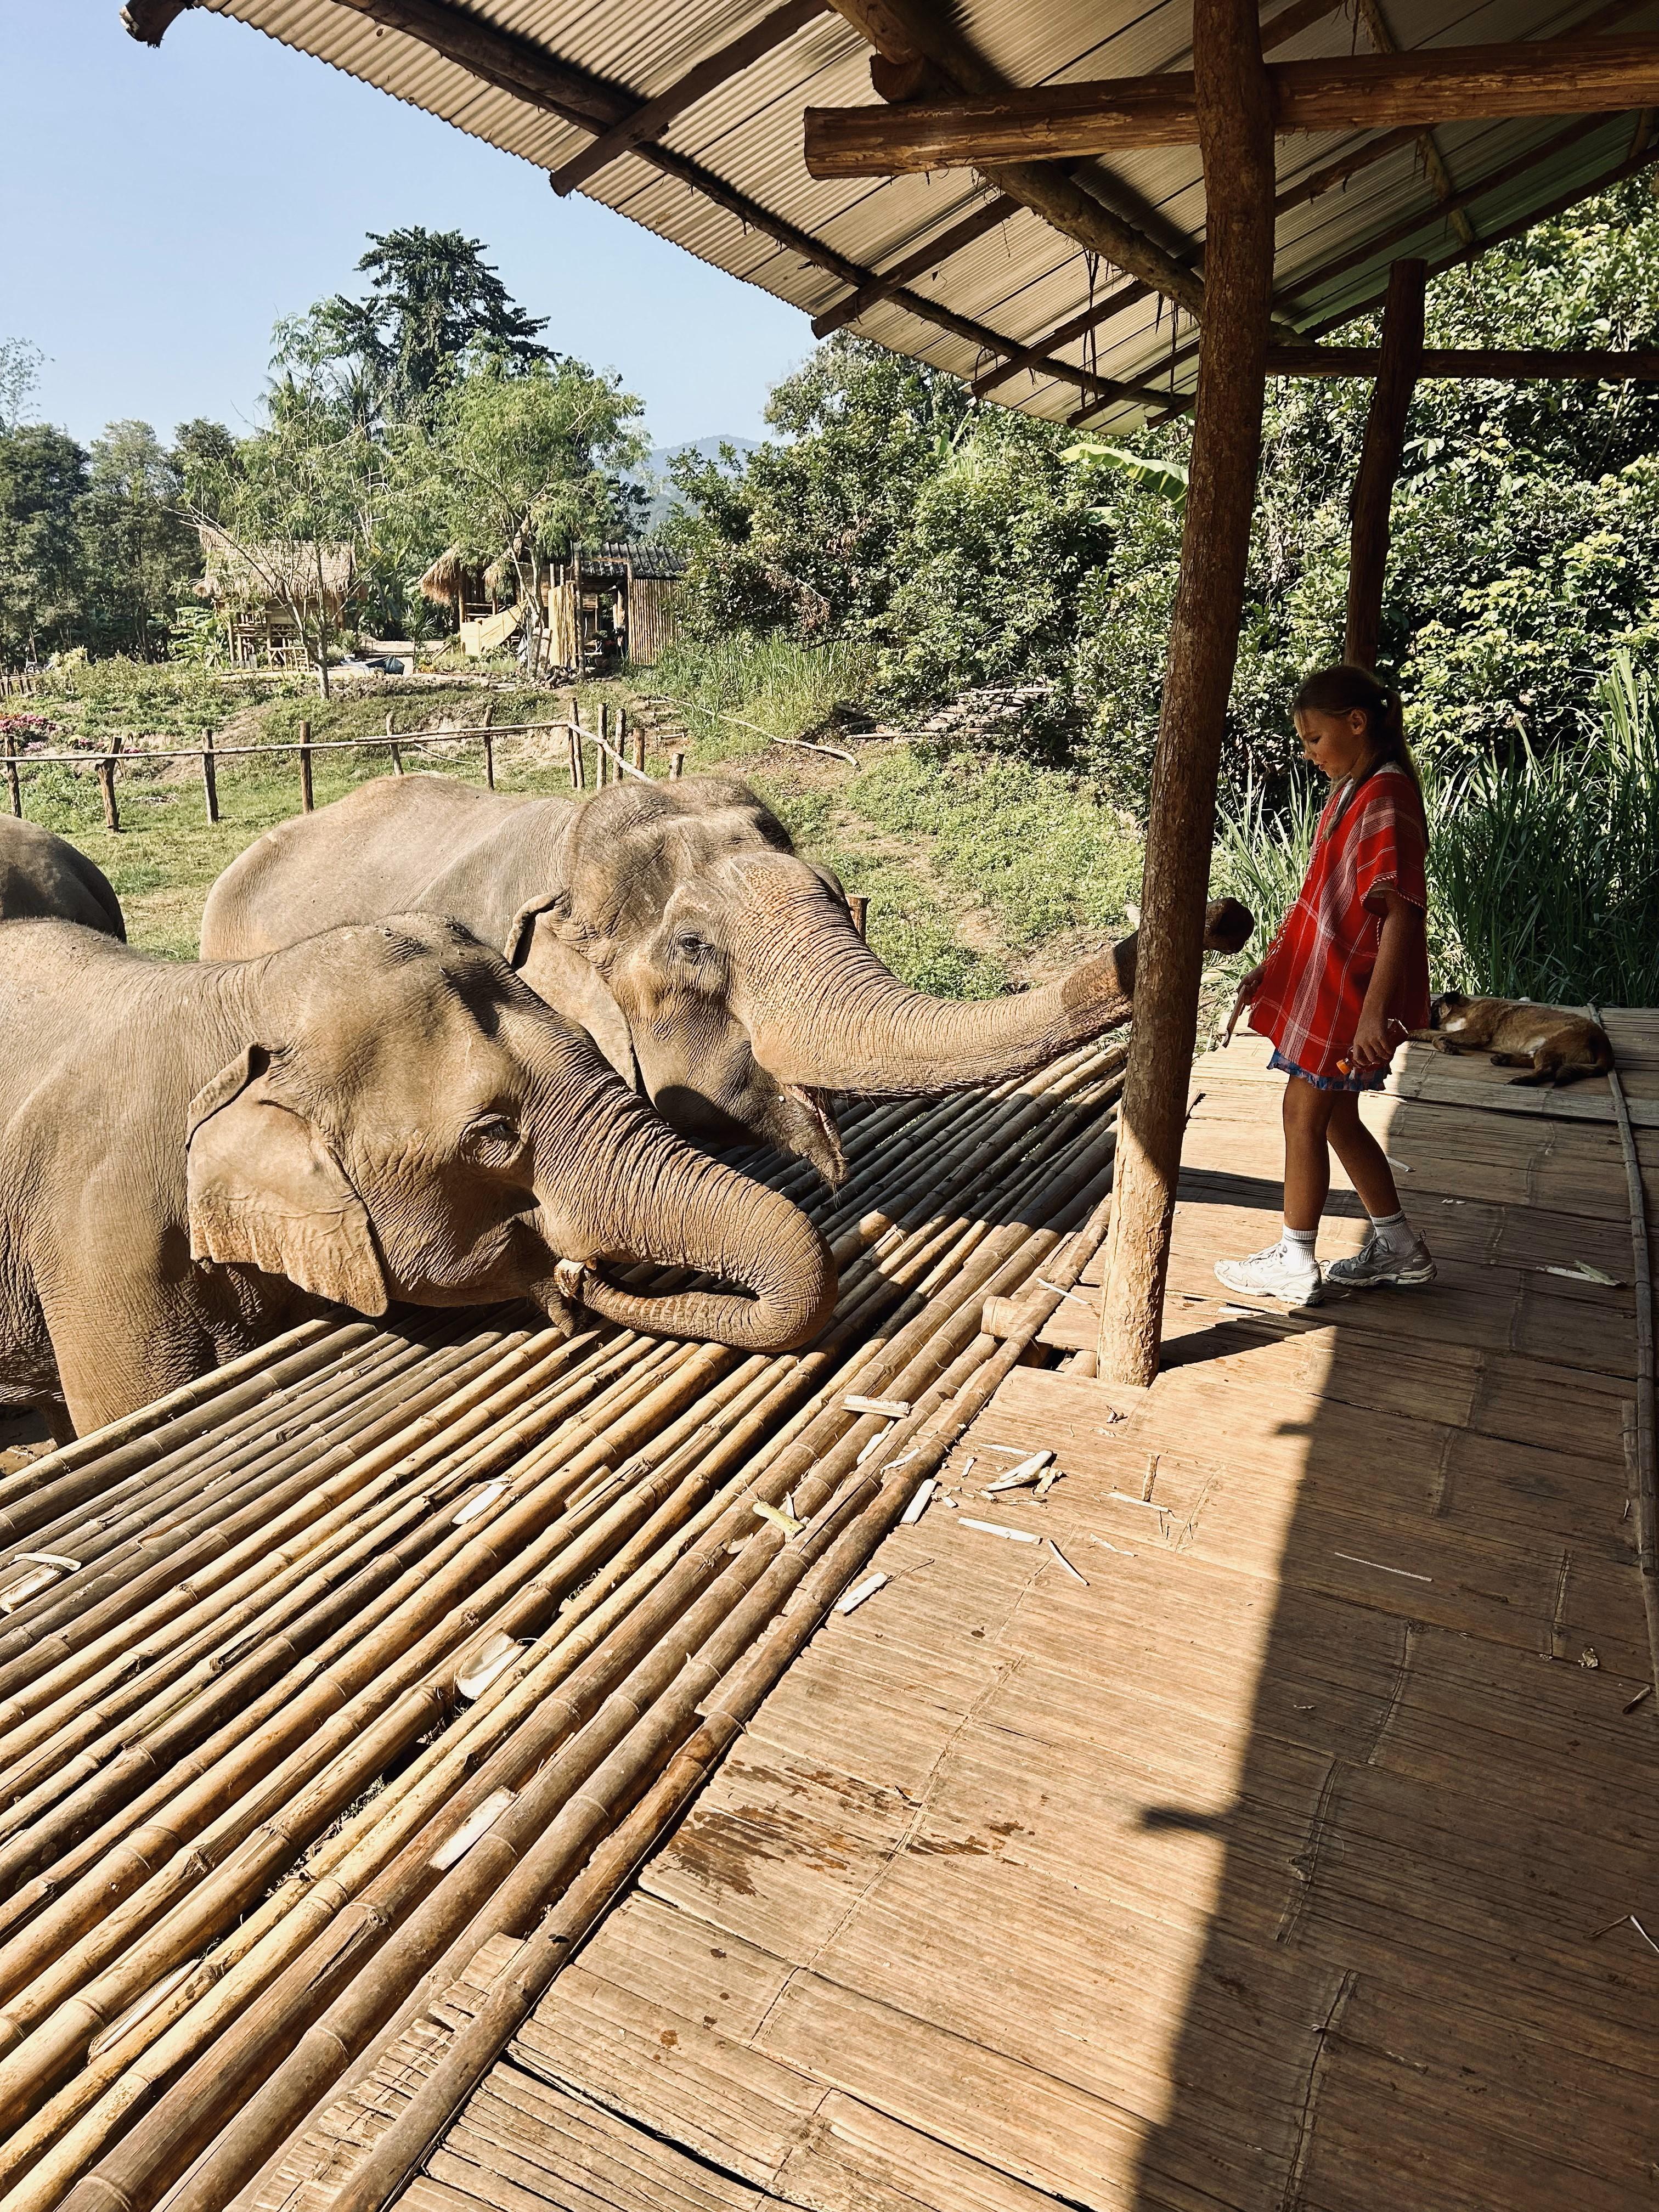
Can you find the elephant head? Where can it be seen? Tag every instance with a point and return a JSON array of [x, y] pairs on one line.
[[724, 972], [406, 1120]]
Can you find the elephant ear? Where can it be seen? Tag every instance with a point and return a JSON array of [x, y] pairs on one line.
[[265, 1191], [563, 977]]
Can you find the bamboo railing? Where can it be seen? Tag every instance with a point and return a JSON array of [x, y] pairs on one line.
[[387, 1642]]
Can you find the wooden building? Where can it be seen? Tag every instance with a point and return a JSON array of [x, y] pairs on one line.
[[454, 583], [613, 603]]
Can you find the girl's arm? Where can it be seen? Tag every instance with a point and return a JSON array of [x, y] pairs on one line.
[[1402, 925]]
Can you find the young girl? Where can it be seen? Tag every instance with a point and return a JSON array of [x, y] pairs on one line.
[[1347, 975]]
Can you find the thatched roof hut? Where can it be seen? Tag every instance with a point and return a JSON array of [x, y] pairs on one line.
[[257, 573]]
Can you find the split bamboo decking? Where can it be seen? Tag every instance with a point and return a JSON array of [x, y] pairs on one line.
[[1304, 1858]]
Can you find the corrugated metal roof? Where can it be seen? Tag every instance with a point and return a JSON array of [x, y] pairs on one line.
[[1022, 280]]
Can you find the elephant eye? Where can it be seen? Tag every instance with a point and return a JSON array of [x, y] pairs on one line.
[[494, 1135], [690, 946]]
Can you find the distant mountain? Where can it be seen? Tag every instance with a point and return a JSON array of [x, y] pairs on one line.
[[653, 478]]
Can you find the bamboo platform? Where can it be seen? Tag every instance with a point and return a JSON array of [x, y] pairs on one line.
[[1305, 1857]]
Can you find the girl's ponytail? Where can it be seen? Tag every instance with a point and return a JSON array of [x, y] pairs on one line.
[[1342, 688]]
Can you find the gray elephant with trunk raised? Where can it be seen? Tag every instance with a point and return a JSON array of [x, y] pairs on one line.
[[43, 878], [188, 1152], [717, 971]]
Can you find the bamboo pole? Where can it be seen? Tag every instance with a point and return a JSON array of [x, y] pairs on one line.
[[106, 787], [209, 778], [13, 785], [1234, 114]]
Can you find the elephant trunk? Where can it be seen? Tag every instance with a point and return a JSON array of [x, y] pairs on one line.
[[830, 1015], [663, 1201]]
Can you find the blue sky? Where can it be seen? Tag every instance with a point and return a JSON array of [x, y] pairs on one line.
[[160, 211]]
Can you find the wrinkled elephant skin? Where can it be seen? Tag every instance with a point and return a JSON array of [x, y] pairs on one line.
[[378, 1114], [716, 970]]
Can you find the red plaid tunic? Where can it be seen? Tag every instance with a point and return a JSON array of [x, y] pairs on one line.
[[1319, 966]]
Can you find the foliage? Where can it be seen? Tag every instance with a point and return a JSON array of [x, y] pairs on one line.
[[514, 469], [20, 368], [138, 552], [745, 689], [42, 481], [433, 304]]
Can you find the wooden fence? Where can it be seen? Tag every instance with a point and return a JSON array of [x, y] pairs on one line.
[[618, 750]]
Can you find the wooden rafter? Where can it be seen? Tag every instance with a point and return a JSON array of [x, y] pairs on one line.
[[1060, 122], [982, 220], [652, 117], [1434, 163], [904, 32]]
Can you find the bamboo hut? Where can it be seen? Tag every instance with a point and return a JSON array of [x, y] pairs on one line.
[[613, 602], [256, 588]]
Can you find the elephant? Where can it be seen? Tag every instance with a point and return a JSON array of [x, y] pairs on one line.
[[43, 878], [717, 971], [191, 1154]]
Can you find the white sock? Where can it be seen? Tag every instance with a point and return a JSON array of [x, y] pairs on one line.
[[1392, 1231], [1297, 1247]]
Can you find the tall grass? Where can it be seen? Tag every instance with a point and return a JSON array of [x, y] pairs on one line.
[[777, 687], [1543, 867]]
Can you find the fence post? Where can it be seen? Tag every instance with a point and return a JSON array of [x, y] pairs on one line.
[[106, 785], [13, 785], [488, 746], [576, 736], [860, 906], [209, 777], [676, 764], [602, 758], [397, 758], [306, 802]]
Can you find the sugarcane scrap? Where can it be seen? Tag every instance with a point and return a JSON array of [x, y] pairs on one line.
[[778, 1517], [996, 1528], [856, 1595], [1105, 1546], [894, 1409], [1584, 1272], [918, 1505], [478, 1822], [475, 1505], [1018, 1478], [1067, 1563], [492, 1658]]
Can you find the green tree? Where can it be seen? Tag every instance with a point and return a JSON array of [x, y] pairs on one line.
[[43, 475], [433, 304], [20, 368], [137, 549], [515, 469]]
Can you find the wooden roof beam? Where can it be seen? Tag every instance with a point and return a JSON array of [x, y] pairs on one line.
[[652, 117], [972, 227], [1363, 92], [908, 34]]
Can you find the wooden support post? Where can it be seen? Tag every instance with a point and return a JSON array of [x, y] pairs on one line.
[[677, 765], [397, 758], [106, 785], [575, 735], [1379, 460], [12, 783], [488, 747], [602, 758], [209, 778], [1236, 136], [860, 906], [307, 800]]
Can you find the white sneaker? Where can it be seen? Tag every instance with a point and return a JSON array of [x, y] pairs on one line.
[[1271, 1274], [1374, 1266]]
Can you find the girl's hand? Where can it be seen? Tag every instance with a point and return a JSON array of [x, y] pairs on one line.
[[1372, 1047], [1247, 990]]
